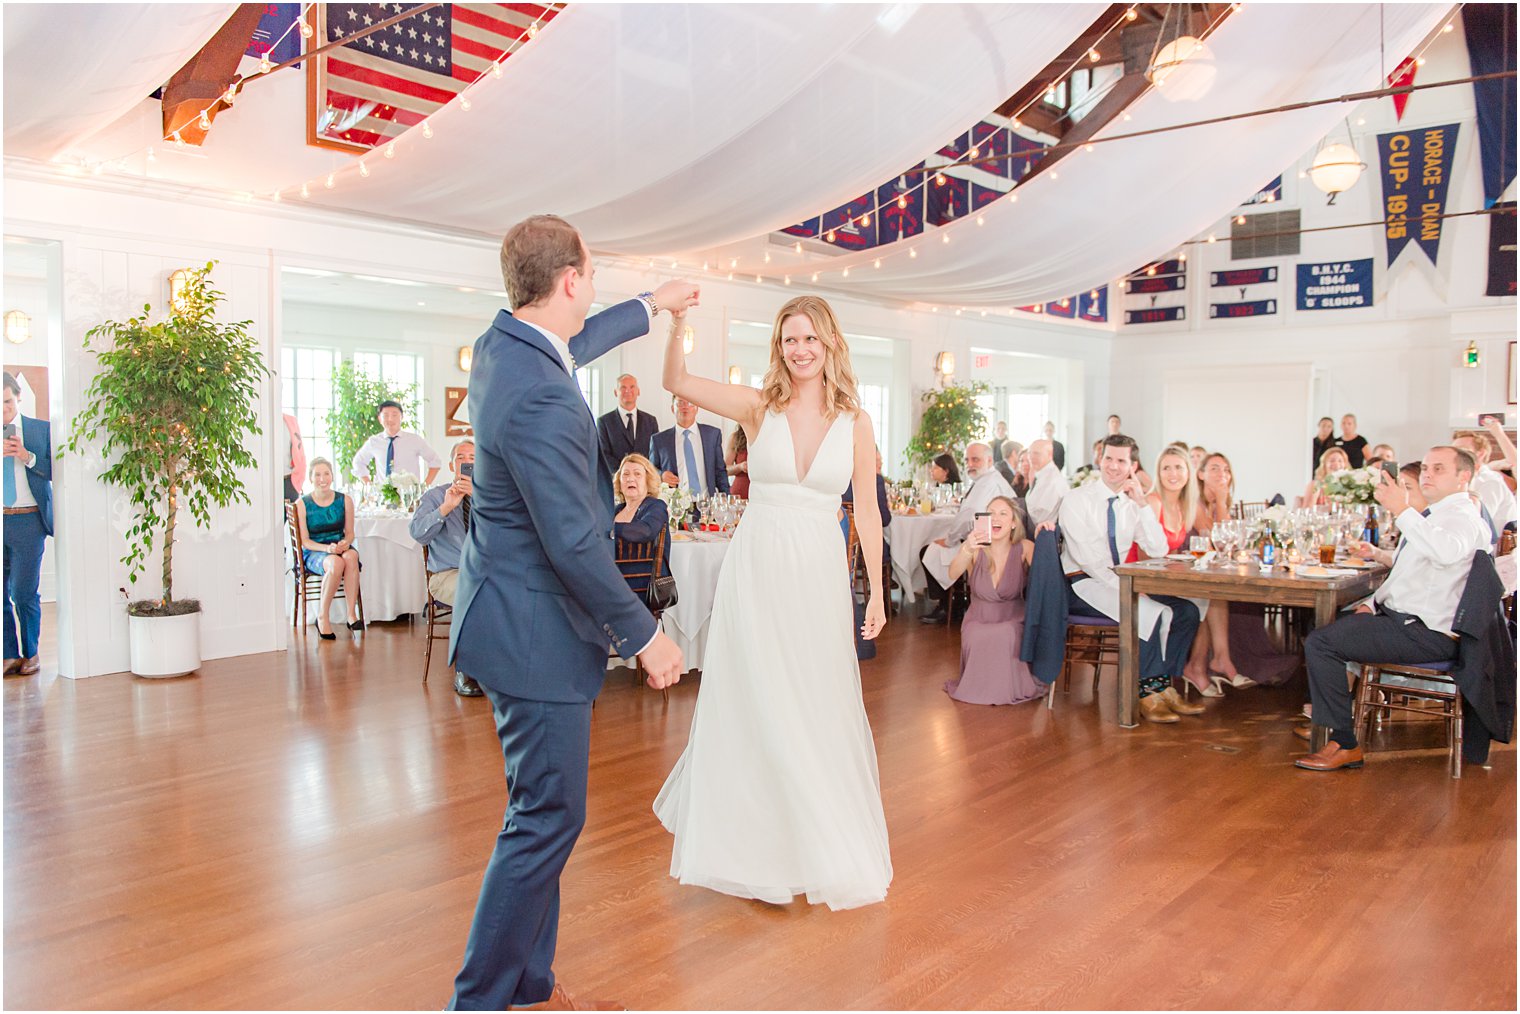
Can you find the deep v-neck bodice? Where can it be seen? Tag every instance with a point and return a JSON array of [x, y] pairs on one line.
[[774, 467]]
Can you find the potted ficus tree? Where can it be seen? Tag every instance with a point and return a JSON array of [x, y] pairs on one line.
[[174, 404]]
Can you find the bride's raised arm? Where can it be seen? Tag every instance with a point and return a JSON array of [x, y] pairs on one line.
[[732, 401]]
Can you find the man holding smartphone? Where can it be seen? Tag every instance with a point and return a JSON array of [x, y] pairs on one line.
[[441, 522]]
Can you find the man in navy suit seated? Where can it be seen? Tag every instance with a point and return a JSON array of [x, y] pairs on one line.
[[690, 453], [28, 465], [539, 597], [625, 430]]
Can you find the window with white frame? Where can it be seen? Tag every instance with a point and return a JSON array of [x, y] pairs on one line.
[[590, 380], [398, 369], [875, 401], [307, 393]]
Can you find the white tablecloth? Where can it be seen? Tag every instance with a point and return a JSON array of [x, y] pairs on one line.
[[394, 583], [908, 534], [695, 566]]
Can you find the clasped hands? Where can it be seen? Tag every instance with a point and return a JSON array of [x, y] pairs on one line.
[[677, 297]]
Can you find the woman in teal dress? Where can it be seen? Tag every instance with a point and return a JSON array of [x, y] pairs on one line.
[[327, 545]]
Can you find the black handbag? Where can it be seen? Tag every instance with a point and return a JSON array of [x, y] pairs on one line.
[[662, 593]]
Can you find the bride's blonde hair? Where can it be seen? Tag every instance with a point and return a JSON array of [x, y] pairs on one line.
[[839, 386]]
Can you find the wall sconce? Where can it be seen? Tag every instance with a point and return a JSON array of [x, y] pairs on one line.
[[1469, 357], [18, 327], [735, 375], [177, 281], [688, 340], [944, 365], [466, 356]]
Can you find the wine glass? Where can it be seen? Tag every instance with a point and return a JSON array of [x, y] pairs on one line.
[[1198, 545]]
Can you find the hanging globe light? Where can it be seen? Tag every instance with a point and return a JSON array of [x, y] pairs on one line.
[[1336, 168], [1183, 70]]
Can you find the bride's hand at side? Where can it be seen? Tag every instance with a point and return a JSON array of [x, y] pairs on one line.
[[876, 619]]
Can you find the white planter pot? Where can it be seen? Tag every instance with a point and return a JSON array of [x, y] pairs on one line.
[[164, 646]]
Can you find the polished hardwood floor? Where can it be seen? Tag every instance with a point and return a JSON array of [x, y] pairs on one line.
[[308, 830]]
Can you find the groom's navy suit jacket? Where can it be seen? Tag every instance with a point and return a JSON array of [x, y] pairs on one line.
[[539, 596]]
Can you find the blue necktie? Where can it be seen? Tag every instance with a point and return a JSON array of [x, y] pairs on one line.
[[390, 454], [693, 478], [10, 482], [1113, 542]]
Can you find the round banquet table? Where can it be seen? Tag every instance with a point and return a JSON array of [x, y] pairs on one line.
[[393, 582], [908, 534], [695, 566]]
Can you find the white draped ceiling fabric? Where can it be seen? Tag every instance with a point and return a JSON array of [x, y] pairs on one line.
[[73, 69], [660, 127], [1124, 203]]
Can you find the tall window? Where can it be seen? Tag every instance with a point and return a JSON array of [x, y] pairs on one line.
[[874, 398], [1028, 409], [306, 391], [590, 380], [401, 369]]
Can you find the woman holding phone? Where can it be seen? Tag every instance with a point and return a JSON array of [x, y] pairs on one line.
[[997, 556]]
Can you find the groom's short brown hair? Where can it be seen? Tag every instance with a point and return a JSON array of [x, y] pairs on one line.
[[533, 254]]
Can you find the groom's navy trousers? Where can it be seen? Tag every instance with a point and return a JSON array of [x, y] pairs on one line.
[[538, 602]]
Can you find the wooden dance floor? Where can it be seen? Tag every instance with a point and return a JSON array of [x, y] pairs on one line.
[[308, 830]]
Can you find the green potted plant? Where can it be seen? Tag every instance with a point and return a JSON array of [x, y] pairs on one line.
[[951, 419], [174, 403], [352, 419]]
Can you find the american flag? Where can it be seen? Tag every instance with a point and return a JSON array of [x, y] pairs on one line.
[[374, 88]]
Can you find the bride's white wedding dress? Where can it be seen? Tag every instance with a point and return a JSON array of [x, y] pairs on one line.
[[777, 793]]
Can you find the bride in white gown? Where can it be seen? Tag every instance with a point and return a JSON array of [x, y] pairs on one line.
[[777, 793]]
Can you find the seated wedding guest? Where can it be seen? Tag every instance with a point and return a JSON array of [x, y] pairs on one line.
[[641, 515], [1100, 521], [736, 458], [1355, 446], [1175, 501], [326, 520], [295, 459], [28, 465], [1409, 480], [1381, 453], [986, 483], [1217, 496], [690, 453], [1048, 486], [442, 523], [1489, 487], [1410, 617], [993, 628], [1058, 449], [1333, 460], [1023, 472], [395, 450], [881, 503], [1196, 454], [943, 470], [1007, 454], [625, 430], [1324, 439]]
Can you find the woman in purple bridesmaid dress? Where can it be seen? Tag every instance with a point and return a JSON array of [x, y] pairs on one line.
[[991, 672]]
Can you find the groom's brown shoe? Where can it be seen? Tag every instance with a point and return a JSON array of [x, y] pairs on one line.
[[560, 1000]]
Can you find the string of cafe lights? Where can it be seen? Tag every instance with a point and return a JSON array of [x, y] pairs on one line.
[[358, 165], [911, 250]]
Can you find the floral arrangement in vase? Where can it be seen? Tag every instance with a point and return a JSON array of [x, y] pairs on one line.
[[398, 488], [678, 502], [1351, 486]]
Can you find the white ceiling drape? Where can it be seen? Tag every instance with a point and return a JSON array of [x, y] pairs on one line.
[[73, 69], [1106, 212], [658, 127]]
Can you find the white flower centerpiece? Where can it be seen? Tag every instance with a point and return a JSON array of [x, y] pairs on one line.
[[399, 488], [678, 502], [1351, 486]]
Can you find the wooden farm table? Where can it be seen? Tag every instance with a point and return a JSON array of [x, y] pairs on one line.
[[1233, 582]]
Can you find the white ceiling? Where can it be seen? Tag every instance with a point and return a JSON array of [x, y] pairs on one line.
[[395, 295]]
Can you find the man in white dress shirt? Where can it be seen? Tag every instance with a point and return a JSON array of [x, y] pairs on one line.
[[690, 453], [1099, 522], [1409, 618], [1488, 485], [986, 483], [1048, 487], [394, 450]]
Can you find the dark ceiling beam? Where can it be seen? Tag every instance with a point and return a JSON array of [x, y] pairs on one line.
[[199, 83]]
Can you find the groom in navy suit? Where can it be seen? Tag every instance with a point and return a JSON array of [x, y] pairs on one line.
[[539, 597]]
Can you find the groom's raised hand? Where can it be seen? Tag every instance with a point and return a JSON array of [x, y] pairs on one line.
[[663, 663], [677, 297]]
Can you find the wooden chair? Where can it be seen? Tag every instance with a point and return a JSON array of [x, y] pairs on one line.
[[1090, 640], [1238, 508], [1506, 542], [440, 616], [644, 559], [1386, 687], [860, 580], [308, 584]]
